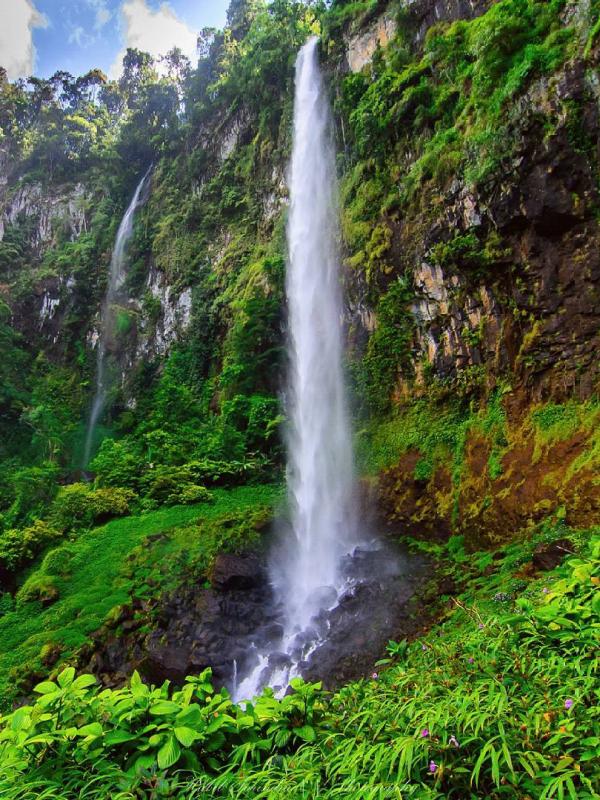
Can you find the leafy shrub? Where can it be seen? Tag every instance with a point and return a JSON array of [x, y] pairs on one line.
[[498, 701], [74, 726], [31, 490], [192, 493], [117, 463], [78, 505], [20, 546]]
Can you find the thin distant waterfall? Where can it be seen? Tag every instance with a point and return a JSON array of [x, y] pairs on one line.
[[112, 299], [305, 570]]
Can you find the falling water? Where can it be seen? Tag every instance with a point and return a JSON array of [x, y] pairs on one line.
[[306, 570], [114, 297]]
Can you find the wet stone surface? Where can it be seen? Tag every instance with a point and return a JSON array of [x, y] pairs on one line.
[[226, 626]]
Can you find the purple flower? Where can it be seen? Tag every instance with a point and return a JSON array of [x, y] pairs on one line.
[[432, 766], [424, 647], [454, 741], [481, 626], [545, 590], [471, 660], [425, 732], [374, 676], [568, 703]]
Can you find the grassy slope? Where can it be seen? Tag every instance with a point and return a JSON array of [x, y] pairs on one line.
[[497, 701], [98, 579]]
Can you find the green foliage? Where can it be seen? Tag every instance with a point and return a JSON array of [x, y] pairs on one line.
[[496, 701], [192, 493], [452, 103], [93, 575], [74, 727], [19, 546], [553, 423], [78, 505], [389, 348], [467, 253], [27, 491], [117, 463]]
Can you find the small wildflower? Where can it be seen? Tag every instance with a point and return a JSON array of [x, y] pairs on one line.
[[425, 732], [454, 741], [471, 660], [545, 590], [424, 647], [374, 676], [568, 703], [481, 626], [432, 767]]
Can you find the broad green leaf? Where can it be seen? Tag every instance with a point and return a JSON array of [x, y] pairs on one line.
[[119, 736], [20, 719], [186, 736], [191, 716], [83, 681], [306, 732], [135, 681], [65, 679], [169, 753], [46, 687], [165, 707], [93, 729]]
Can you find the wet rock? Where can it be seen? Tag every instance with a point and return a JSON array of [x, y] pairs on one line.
[[549, 556], [279, 660], [236, 572], [229, 625]]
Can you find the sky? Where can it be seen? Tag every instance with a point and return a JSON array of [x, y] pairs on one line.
[[38, 37]]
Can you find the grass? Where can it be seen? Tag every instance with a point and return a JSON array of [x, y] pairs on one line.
[[99, 577], [495, 701]]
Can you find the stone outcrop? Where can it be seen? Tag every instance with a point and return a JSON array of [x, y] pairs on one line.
[[49, 208], [362, 46], [529, 308]]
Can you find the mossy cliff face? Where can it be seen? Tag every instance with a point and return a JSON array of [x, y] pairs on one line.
[[471, 149], [468, 159], [490, 476]]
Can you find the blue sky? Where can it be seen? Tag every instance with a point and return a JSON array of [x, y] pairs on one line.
[[41, 36]]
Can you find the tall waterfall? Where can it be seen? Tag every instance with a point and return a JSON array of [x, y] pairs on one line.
[[306, 570], [113, 299], [319, 447]]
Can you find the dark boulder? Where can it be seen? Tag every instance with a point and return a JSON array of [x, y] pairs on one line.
[[231, 572]]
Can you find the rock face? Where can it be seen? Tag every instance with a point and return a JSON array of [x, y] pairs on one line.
[[224, 626], [530, 307], [362, 46], [49, 209]]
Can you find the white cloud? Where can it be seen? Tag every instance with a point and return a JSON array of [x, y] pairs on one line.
[[78, 36], [101, 13], [102, 17], [155, 32], [18, 18]]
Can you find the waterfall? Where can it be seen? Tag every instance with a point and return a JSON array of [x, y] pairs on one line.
[[113, 299], [306, 570], [320, 476]]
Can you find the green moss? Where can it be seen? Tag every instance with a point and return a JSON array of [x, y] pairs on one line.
[[98, 578], [452, 104], [388, 355], [555, 422]]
